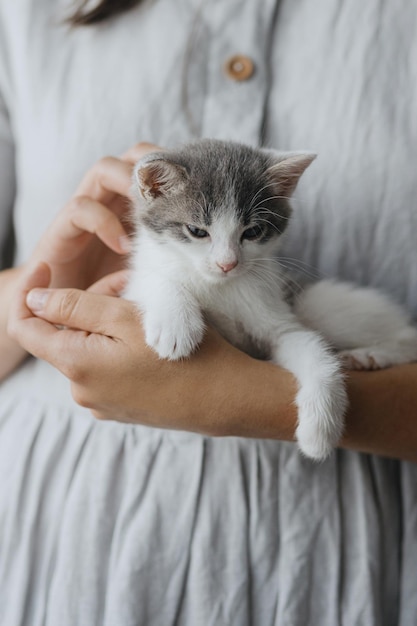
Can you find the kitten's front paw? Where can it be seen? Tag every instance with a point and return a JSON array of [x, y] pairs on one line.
[[171, 338], [321, 419]]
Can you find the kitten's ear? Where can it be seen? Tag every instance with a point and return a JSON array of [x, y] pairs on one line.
[[156, 176], [288, 168]]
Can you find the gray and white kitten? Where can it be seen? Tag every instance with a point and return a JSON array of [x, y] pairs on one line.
[[209, 218]]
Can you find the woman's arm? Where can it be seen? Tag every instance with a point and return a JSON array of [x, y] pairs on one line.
[[11, 353], [219, 391], [382, 418]]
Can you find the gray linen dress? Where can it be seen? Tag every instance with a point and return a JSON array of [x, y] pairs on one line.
[[103, 524]]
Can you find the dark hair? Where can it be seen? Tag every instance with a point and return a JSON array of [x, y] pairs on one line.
[[105, 9]]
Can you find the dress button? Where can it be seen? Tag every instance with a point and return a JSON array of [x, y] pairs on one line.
[[239, 67]]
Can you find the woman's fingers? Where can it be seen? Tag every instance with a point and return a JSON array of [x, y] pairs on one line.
[[82, 310], [138, 151], [28, 330], [106, 179], [67, 327], [111, 177], [110, 285], [84, 214], [75, 224]]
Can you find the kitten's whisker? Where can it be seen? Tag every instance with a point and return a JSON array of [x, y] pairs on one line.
[[269, 198], [266, 210], [266, 268], [269, 282], [284, 274], [300, 262], [274, 226], [258, 193], [287, 284], [250, 207], [301, 270], [273, 282], [288, 264], [303, 266]]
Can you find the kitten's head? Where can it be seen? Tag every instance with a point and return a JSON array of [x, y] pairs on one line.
[[222, 205]]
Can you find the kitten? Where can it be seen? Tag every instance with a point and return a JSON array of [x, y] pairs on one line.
[[209, 218]]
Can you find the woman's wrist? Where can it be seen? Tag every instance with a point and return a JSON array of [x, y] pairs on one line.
[[245, 397]]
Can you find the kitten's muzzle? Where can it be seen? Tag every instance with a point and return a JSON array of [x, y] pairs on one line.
[[227, 267]]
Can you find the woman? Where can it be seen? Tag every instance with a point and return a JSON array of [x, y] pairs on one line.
[[111, 523]]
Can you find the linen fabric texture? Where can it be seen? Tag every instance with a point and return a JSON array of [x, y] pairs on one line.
[[106, 524]]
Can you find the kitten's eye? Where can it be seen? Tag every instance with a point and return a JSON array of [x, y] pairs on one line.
[[199, 233], [252, 233]]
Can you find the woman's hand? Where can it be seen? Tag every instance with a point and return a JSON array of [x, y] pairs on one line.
[[217, 391], [86, 242], [88, 238]]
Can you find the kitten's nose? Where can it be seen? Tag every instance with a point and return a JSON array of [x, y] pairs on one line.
[[226, 267]]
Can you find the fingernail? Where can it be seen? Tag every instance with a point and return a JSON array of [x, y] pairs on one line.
[[36, 299], [125, 243]]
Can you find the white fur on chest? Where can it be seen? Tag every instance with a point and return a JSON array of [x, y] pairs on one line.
[[241, 308]]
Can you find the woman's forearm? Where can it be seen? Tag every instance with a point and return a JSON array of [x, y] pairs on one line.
[[382, 418], [250, 398], [11, 353], [219, 391]]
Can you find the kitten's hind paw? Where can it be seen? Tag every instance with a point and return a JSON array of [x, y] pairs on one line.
[[400, 347], [363, 359], [378, 357]]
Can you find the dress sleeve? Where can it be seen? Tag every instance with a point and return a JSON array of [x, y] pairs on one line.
[[7, 163]]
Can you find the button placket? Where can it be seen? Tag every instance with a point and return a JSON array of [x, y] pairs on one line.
[[237, 70]]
